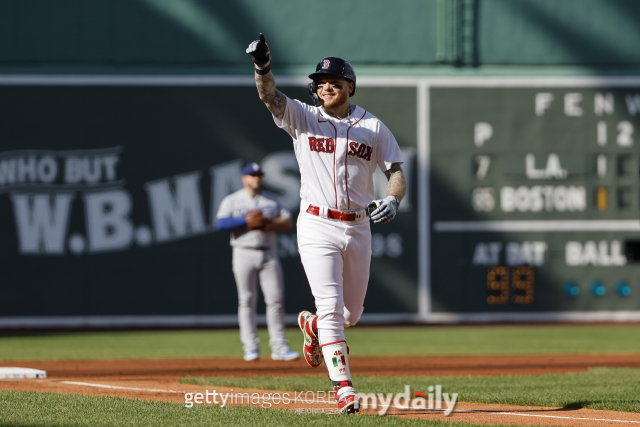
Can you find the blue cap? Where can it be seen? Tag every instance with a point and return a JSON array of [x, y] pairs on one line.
[[252, 169]]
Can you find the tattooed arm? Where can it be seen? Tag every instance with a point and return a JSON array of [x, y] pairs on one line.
[[261, 56], [397, 182], [275, 100], [386, 209]]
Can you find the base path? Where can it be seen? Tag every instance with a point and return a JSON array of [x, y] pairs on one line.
[[158, 380], [385, 366]]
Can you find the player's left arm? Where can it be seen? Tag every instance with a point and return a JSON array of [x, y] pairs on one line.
[[386, 209], [397, 184]]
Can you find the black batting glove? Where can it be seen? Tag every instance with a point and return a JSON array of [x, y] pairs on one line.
[[259, 51]]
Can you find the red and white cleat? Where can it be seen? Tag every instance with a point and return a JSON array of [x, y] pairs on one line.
[[311, 346], [348, 401]]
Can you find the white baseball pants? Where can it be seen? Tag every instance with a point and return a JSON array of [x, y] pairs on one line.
[[249, 265], [336, 257]]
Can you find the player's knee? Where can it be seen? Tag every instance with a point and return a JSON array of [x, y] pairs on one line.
[[351, 318], [246, 300], [351, 322], [273, 299], [277, 304]]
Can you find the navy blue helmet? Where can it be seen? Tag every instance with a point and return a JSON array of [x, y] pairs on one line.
[[332, 65]]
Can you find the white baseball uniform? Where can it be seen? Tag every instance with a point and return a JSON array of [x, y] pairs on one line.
[[254, 256], [337, 159]]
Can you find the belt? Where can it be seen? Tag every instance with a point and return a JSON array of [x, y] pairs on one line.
[[342, 216]]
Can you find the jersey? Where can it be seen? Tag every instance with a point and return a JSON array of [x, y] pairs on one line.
[[235, 205], [337, 158]]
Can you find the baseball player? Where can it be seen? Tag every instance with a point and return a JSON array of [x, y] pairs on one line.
[[253, 218], [338, 146]]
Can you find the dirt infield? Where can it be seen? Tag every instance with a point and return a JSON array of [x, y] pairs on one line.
[[158, 380], [384, 366]]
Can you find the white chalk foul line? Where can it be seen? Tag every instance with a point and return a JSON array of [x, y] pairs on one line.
[[119, 387], [557, 416], [475, 411], [364, 404]]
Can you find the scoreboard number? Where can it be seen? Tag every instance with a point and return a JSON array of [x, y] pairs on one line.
[[483, 162], [521, 280]]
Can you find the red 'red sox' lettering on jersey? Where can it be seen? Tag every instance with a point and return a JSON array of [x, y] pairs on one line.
[[337, 158], [323, 145], [360, 150]]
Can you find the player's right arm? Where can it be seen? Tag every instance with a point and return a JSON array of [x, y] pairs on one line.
[[230, 223], [275, 100], [225, 218]]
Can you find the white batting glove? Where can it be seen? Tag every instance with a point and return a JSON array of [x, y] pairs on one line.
[[386, 209]]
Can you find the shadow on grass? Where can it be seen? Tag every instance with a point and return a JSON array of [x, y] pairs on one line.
[[590, 403]]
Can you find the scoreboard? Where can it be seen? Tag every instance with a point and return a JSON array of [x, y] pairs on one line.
[[533, 196]]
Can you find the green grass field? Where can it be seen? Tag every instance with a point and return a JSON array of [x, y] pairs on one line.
[[364, 341], [52, 410], [601, 388], [614, 389]]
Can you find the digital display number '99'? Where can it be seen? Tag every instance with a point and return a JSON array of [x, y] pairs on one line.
[[510, 285]]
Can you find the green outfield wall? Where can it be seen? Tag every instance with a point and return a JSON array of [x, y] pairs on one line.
[[183, 35], [124, 124]]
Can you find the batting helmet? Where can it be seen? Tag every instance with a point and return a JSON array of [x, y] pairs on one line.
[[337, 67]]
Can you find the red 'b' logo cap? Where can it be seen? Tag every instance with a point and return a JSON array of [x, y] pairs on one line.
[[325, 64]]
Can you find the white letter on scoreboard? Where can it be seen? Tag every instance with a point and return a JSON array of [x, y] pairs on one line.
[[603, 104], [482, 132], [543, 102], [571, 104], [487, 253], [633, 103]]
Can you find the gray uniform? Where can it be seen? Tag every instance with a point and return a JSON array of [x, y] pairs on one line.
[[255, 257]]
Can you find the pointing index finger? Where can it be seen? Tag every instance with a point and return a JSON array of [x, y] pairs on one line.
[[262, 38]]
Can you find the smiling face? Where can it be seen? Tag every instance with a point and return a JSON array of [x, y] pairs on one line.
[[333, 91]]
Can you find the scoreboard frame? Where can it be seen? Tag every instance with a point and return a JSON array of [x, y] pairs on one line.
[[426, 314]]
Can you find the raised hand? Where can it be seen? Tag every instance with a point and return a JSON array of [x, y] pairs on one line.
[[259, 51]]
